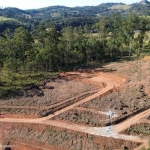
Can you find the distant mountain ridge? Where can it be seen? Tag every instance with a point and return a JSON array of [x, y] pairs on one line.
[[63, 11], [63, 14]]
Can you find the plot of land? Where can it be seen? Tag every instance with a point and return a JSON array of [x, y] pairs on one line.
[[53, 94], [83, 108], [84, 117]]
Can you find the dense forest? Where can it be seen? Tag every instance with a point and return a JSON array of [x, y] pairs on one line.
[[48, 49], [35, 46]]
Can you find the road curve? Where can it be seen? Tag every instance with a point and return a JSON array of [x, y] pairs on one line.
[[111, 81]]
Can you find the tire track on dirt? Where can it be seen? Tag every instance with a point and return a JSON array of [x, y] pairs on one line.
[[52, 105]]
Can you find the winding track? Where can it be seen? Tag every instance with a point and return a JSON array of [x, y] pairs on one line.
[[111, 81]]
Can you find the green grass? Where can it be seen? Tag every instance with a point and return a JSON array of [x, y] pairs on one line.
[[6, 19], [13, 83]]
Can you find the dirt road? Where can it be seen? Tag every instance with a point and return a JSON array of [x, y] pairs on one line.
[[111, 81], [130, 121], [101, 131]]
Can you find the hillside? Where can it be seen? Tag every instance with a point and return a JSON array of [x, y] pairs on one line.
[[72, 16], [144, 2], [75, 78]]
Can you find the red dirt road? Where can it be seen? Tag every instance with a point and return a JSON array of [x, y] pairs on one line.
[[111, 82], [130, 121]]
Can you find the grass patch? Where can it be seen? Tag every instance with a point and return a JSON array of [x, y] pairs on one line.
[[121, 7], [6, 19]]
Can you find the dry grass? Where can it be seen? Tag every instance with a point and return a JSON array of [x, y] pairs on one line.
[[83, 117], [62, 139], [5, 19], [121, 7], [54, 92], [142, 129]]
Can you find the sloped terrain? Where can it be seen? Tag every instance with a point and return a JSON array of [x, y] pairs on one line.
[[39, 101], [74, 16], [121, 97], [49, 136]]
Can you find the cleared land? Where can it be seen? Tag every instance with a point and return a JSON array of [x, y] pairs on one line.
[[121, 7], [43, 99], [5, 19], [120, 99]]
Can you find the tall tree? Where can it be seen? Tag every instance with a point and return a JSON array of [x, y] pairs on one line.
[[143, 27], [68, 38], [51, 47], [103, 28], [23, 45], [113, 42], [41, 34], [130, 26]]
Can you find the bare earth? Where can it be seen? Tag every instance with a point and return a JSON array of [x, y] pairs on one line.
[[108, 84]]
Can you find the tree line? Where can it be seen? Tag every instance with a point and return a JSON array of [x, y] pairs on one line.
[[47, 49]]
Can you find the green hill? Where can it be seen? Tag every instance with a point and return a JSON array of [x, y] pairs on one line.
[[73, 16]]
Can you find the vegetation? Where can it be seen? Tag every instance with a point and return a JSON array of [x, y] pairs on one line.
[[54, 48], [5, 18], [11, 83], [146, 148], [59, 137], [63, 16], [84, 117], [142, 129]]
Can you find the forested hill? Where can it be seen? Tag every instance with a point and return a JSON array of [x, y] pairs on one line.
[[73, 16], [61, 38]]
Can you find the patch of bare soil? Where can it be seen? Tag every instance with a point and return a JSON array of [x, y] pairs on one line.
[[124, 103], [4, 130], [18, 113], [17, 144], [54, 92], [60, 138], [83, 117], [55, 95], [146, 58]]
